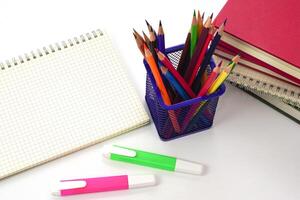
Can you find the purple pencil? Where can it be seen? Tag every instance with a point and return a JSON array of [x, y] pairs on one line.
[[161, 39]]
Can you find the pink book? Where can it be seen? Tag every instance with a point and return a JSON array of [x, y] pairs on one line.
[[266, 32]]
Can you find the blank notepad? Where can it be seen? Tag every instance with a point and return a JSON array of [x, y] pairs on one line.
[[63, 98]]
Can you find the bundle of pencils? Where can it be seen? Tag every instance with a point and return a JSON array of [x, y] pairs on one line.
[[193, 76]]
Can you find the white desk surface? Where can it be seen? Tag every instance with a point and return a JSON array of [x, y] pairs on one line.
[[252, 151]]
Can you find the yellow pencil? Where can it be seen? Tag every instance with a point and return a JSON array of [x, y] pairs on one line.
[[219, 80], [222, 76]]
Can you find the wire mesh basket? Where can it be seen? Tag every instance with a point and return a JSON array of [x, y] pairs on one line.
[[183, 118]]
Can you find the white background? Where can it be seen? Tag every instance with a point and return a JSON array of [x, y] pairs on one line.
[[252, 151]]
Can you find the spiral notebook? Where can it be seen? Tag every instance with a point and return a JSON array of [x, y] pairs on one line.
[[252, 79], [63, 98]]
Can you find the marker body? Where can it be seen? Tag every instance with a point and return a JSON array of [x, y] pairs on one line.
[[148, 159], [153, 160], [103, 184]]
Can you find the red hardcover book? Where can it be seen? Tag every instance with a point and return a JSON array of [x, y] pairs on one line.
[[267, 32]]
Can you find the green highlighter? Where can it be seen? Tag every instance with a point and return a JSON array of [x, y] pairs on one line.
[[153, 160]]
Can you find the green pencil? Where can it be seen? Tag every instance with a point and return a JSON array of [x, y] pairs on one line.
[[194, 34]]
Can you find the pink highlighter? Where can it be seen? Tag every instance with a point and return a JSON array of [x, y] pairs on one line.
[[103, 184]]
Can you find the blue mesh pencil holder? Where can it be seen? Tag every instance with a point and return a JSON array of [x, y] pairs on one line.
[[183, 118]]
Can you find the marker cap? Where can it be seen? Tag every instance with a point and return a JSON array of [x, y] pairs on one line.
[[189, 167], [139, 181]]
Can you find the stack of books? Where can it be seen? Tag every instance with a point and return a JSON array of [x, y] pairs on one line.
[[266, 35]]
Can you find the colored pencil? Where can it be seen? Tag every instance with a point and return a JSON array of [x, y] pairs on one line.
[[222, 76], [214, 86], [154, 69], [185, 56], [200, 43], [161, 38], [203, 92], [205, 75], [153, 44], [233, 61], [152, 47], [150, 27], [194, 34], [211, 78], [152, 37], [146, 39], [156, 74], [138, 35], [176, 75], [201, 56], [173, 81], [200, 23], [220, 79], [139, 43], [211, 49]]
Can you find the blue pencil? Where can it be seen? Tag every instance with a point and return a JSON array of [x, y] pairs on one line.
[[173, 81], [161, 39]]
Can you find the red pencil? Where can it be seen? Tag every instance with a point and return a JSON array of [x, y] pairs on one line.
[[210, 80], [201, 56], [203, 91], [200, 43], [175, 73]]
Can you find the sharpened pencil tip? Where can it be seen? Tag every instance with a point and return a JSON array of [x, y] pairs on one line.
[[236, 58], [194, 13], [211, 16], [160, 23], [134, 35], [151, 29], [147, 22], [203, 15], [145, 36]]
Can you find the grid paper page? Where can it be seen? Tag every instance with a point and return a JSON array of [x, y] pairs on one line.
[[64, 101]]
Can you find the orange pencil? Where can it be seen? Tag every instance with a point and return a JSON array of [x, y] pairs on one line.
[[154, 69], [139, 43]]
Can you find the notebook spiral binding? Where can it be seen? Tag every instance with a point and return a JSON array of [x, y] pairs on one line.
[[50, 49], [288, 96]]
